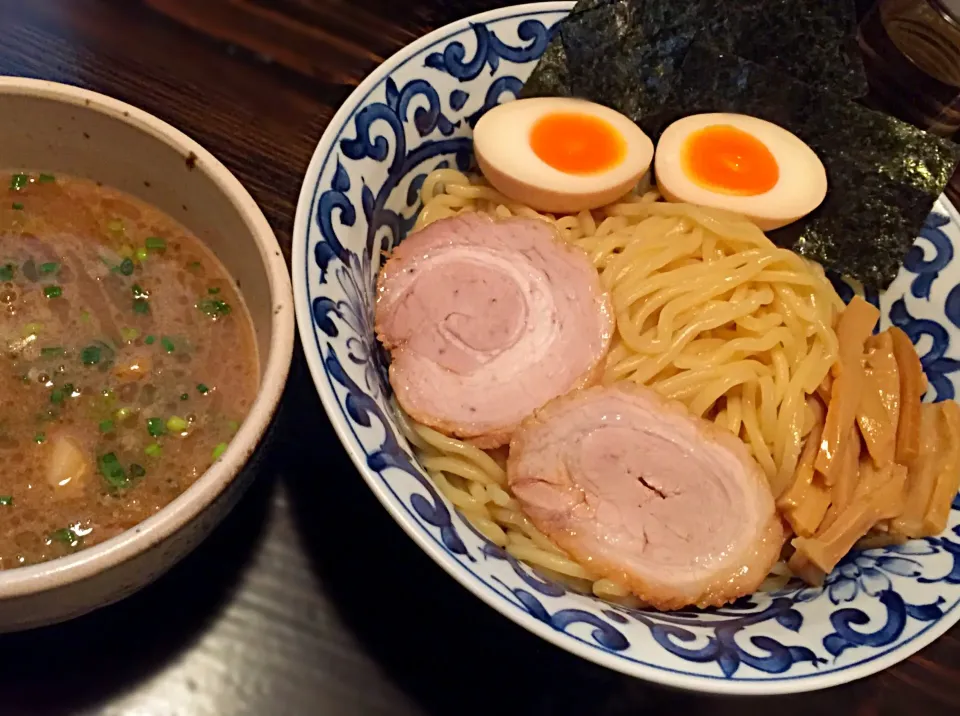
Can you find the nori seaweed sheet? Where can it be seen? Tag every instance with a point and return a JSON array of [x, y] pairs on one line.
[[639, 95], [811, 40], [792, 62], [551, 77], [883, 175], [596, 53]]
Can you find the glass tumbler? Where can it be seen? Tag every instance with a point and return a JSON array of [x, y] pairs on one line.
[[911, 49]]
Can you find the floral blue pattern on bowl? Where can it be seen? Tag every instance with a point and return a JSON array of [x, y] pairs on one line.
[[360, 196]]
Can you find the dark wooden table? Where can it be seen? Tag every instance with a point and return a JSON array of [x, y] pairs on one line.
[[309, 599]]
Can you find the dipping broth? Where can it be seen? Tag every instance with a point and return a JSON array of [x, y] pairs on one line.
[[128, 362]]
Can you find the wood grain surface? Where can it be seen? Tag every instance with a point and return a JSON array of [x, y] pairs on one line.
[[309, 599]]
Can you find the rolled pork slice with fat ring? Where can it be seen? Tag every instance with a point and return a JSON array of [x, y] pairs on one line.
[[638, 490], [486, 320]]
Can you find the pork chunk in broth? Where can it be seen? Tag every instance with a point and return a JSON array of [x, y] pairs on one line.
[[128, 362]]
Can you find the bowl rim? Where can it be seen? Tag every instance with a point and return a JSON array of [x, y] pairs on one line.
[[325, 148], [24, 581]]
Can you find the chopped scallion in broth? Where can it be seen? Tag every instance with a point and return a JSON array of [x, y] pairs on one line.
[[156, 427], [66, 536], [91, 355]]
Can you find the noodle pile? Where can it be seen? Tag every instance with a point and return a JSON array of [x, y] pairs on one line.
[[709, 312]]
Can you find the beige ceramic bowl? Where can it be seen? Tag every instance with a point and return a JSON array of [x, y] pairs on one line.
[[56, 128]]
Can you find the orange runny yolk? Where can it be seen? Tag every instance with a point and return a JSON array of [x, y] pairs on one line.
[[725, 159], [577, 143]]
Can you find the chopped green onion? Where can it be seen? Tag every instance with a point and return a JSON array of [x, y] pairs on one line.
[[53, 351], [140, 302], [153, 450], [233, 425], [18, 181], [194, 266], [17, 206], [184, 396], [213, 290], [149, 340], [202, 388], [155, 427], [46, 178], [122, 414], [49, 267], [90, 355], [140, 254], [40, 438], [106, 426], [67, 536], [176, 424], [31, 329], [6, 272], [96, 352], [126, 267], [137, 470], [213, 307], [107, 393], [219, 450], [6, 500], [155, 243], [85, 316], [52, 291], [129, 334], [167, 344], [60, 394], [115, 225], [112, 470]]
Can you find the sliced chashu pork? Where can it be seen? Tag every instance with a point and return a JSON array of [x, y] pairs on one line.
[[488, 320], [638, 490]]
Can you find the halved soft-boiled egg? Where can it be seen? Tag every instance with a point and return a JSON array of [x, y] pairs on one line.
[[742, 164], [559, 154]]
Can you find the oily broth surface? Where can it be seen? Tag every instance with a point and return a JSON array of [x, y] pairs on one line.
[[85, 365]]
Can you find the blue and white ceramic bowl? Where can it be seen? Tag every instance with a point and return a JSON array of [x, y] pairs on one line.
[[360, 194]]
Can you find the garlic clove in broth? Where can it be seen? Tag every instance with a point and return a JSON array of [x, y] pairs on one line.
[[68, 466]]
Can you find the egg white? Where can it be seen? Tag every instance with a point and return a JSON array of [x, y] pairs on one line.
[[800, 188], [501, 141]]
